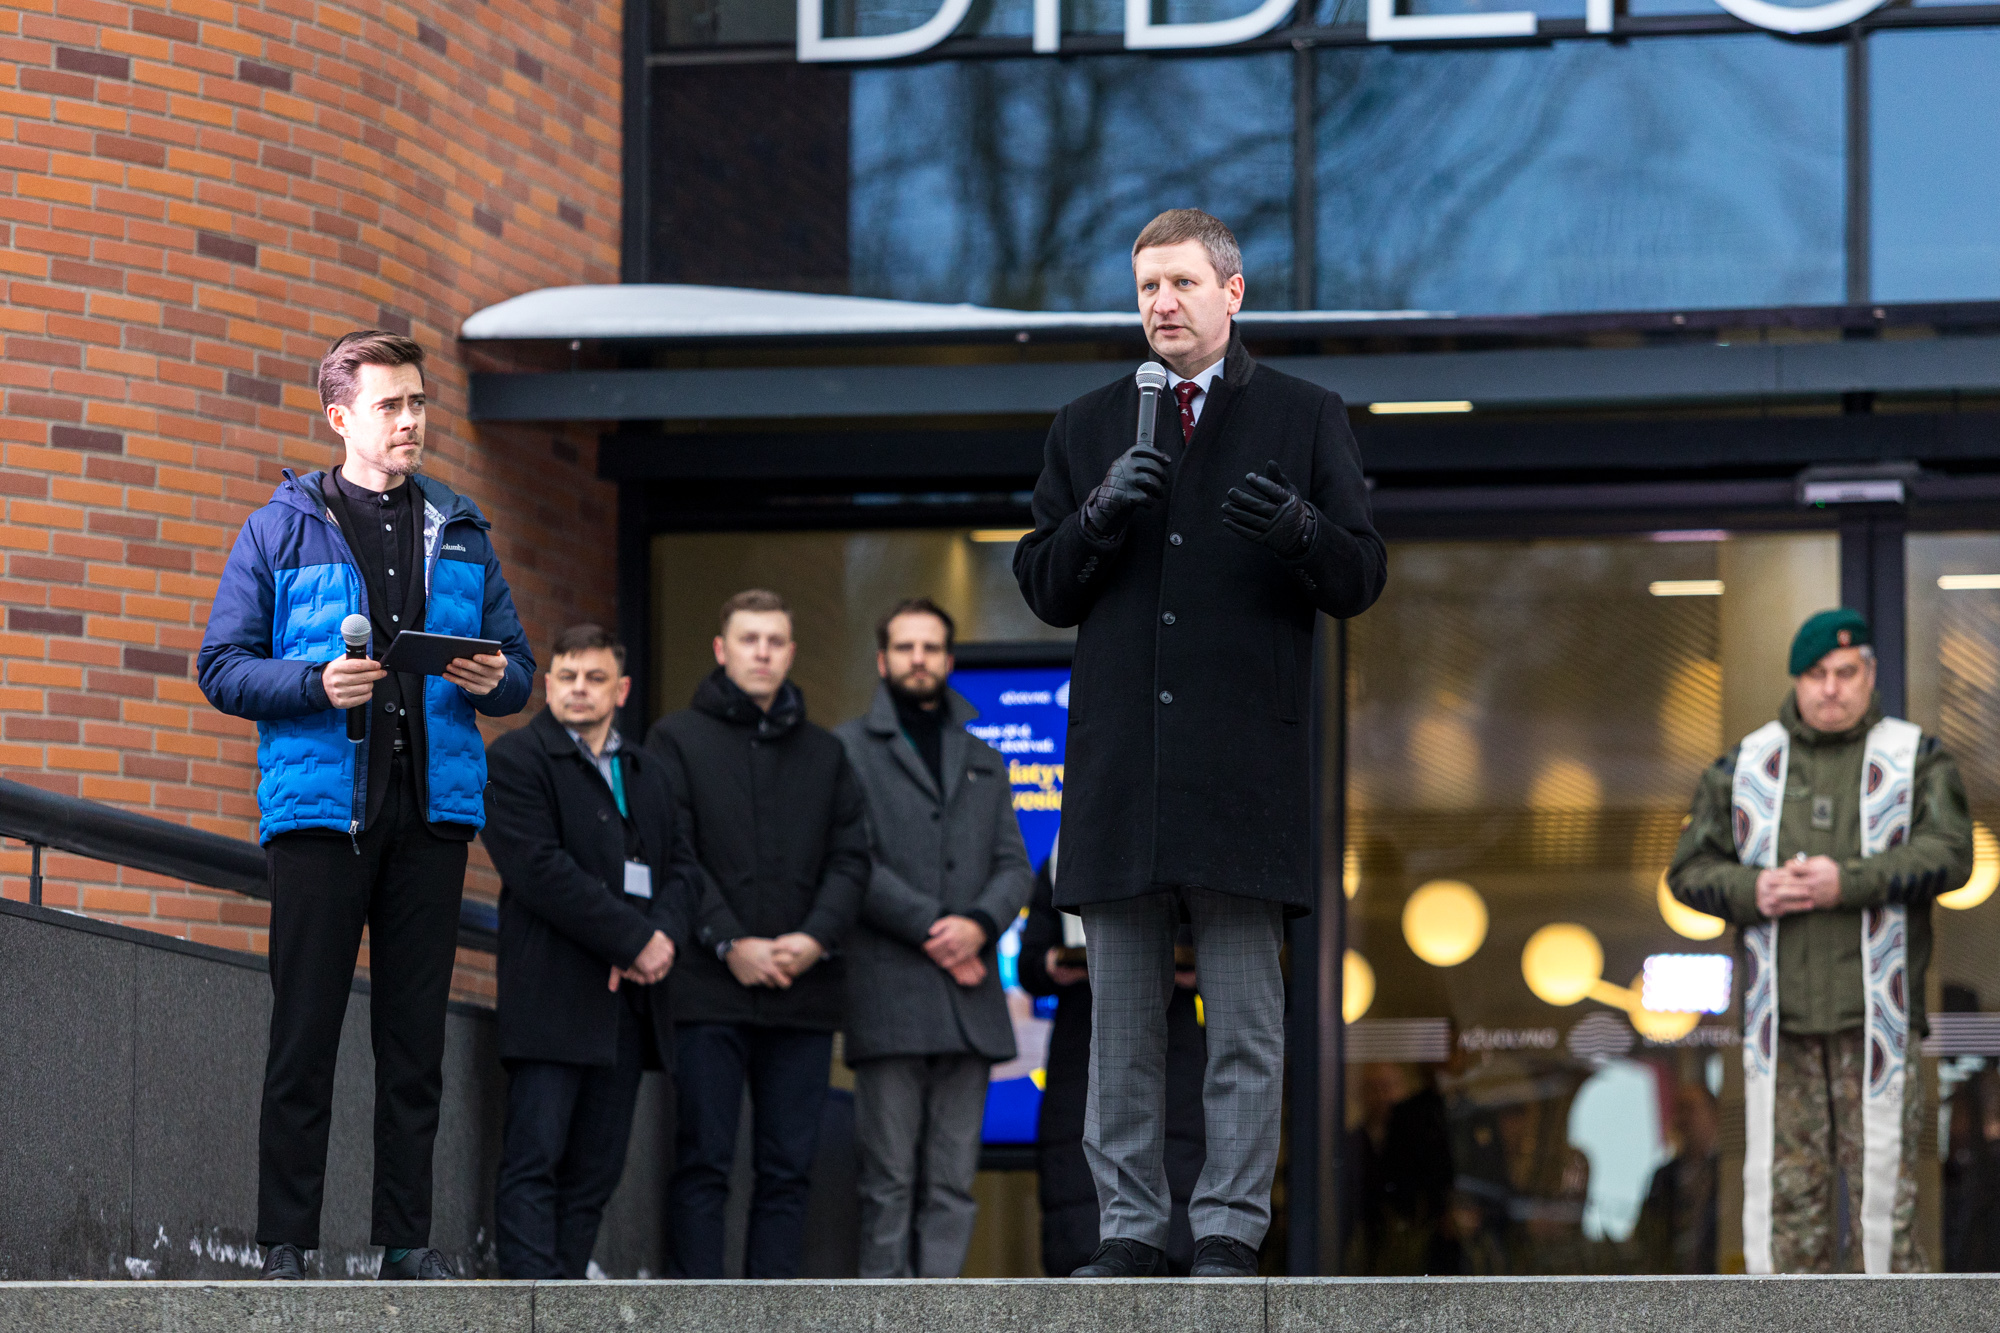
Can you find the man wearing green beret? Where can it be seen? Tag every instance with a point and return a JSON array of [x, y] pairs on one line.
[[1824, 837]]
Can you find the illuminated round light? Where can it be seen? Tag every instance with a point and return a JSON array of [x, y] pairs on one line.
[[1684, 920], [1562, 962], [1985, 872], [1350, 871], [1445, 922], [1357, 986], [1654, 1025]]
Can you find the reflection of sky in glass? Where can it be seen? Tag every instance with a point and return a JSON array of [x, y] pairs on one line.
[[1674, 172], [1935, 114], [1615, 1122], [1022, 182]]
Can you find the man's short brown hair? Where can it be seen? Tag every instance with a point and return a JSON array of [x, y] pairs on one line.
[[339, 369], [587, 639], [1191, 224], [915, 606], [753, 599]]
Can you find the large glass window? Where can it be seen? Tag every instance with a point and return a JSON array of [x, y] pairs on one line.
[[1934, 117], [1684, 172], [1954, 694], [1022, 182], [1526, 724]]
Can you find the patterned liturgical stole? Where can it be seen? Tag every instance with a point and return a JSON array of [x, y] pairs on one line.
[[1758, 801]]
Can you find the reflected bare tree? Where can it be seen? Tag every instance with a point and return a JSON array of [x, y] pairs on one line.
[[1021, 183], [1580, 177]]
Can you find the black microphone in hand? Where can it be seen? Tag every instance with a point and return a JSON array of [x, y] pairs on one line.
[[354, 633], [1139, 476]]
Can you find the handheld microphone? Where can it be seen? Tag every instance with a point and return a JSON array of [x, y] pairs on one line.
[[1151, 379], [354, 633]]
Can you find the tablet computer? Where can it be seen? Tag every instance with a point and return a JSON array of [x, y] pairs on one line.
[[422, 654]]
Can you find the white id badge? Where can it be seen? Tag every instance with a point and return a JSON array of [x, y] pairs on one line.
[[638, 879]]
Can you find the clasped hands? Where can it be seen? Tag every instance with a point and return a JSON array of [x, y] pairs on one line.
[[652, 964], [1802, 884], [1266, 509], [954, 944], [776, 963], [350, 681]]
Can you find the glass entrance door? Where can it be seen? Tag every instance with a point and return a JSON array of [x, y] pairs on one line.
[[1526, 721]]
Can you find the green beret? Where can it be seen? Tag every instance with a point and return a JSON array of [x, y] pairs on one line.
[[1841, 627]]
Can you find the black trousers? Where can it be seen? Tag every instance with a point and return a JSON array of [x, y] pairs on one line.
[[404, 884], [787, 1071], [560, 1158]]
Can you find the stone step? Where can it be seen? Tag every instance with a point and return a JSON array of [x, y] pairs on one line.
[[1913, 1304]]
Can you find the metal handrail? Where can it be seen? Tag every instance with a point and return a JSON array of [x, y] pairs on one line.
[[121, 837]]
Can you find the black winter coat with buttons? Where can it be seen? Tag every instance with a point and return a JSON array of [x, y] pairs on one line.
[[1189, 756], [555, 836], [778, 824]]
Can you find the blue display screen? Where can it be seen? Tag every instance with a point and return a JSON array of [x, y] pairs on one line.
[[1024, 714]]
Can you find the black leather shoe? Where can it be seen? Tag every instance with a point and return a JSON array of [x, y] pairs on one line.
[[284, 1263], [1122, 1258], [1223, 1256], [422, 1265]]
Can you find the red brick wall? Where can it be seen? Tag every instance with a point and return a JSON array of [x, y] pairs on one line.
[[196, 196]]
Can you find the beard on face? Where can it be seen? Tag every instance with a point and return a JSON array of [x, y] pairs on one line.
[[910, 691], [405, 467]]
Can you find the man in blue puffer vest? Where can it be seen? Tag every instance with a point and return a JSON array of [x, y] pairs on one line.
[[374, 833]]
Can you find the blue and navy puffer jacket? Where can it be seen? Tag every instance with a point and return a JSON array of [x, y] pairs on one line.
[[290, 581]]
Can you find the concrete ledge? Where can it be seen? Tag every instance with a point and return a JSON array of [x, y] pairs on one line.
[[1928, 1304]]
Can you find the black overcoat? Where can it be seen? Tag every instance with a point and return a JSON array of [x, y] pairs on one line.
[[1189, 755], [553, 831], [780, 828]]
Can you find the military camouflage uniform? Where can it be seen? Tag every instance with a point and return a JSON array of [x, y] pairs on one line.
[[1819, 1103], [1820, 993]]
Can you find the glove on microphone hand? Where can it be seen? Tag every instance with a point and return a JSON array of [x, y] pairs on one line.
[[1270, 510], [1139, 477]]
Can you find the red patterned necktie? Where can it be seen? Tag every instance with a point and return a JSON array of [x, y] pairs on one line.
[[1185, 391]]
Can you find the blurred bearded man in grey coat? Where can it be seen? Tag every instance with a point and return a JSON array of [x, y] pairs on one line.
[[926, 1017]]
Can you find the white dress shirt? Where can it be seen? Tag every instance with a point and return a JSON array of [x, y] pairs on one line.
[[1201, 380]]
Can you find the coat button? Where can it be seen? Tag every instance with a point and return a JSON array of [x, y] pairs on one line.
[[388, 708], [1167, 619], [951, 865], [1174, 539], [603, 818], [936, 815], [1166, 696]]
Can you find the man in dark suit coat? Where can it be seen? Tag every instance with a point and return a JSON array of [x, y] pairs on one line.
[[597, 888], [1194, 572], [926, 1018]]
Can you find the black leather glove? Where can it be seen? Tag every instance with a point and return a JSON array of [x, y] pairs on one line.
[[1270, 510], [1139, 477]]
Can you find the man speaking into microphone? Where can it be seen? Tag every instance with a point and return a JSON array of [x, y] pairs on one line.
[[1193, 565], [371, 832]]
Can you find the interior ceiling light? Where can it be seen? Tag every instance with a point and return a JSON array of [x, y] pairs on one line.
[[1985, 872], [994, 536], [1685, 587], [1350, 870], [1562, 963], [1445, 922], [1417, 408], [1357, 986], [1690, 924], [1968, 582]]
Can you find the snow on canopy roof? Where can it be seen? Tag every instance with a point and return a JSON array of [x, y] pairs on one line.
[[669, 311]]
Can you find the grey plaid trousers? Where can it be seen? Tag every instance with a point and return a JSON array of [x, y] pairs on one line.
[[1131, 943]]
